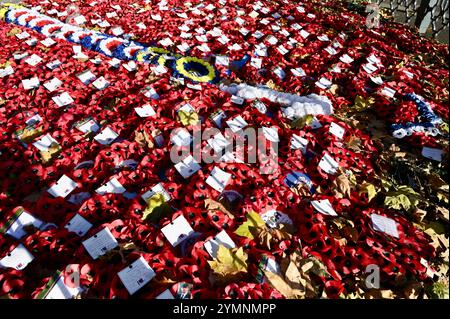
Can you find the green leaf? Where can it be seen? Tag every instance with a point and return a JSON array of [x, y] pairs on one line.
[[156, 208], [253, 221], [302, 122], [440, 290]]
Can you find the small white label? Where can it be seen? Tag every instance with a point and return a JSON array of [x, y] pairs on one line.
[[177, 231], [166, 294], [43, 144], [63, 187], [61, 291], [221, 239], [18, 258], [86, 77], [274, 218], [101, 83], [299, 143], [157, 189], [100, 243], [16, 229], [63, 99], [385, 225], [145, 111], [136, 275], [33, 60], [237, 124], [29, 84], [106, 137], [218, 142], [187, 167], [113, 186], [324, 207], [78, 225], [218, 179], [328, 164], [433, 153], [337, 130]]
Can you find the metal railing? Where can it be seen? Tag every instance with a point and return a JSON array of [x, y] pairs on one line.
[[431, 17]]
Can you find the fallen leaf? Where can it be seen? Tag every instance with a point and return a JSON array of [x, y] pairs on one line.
[[419, 214], [229, 264], [362, 104], [212, 205], [28, 134], [343, 229], [270, 237], [143, 139], [413, 290], [369, 189], [188, 118], [334, 89], [379, 294], [403, 197], [354, 143], [13, 31], [302, 122], [278, 282], [51, 153], [156, 208], [439, 290], [442, 213], [436, 182], [253, 221], [318, 268], [442, 196], [342, 186]]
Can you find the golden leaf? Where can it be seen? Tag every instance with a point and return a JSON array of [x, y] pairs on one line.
[[295, 280], [253, 221], [212, 205], [418, 214], [369, 189], [13, 31], [343, 229], [379, 294], [51, 153], [270, 237], [29, 133], [342, 186], [188, 118], [229, 264], [413, 290], [403, 197], [143, 139], [334, 89], [361, 104], [354, 143]]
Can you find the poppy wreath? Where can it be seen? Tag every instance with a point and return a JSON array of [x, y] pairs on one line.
[[190, 67], [425, 112]]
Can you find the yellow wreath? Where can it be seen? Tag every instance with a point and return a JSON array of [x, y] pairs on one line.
[[180, 66]]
